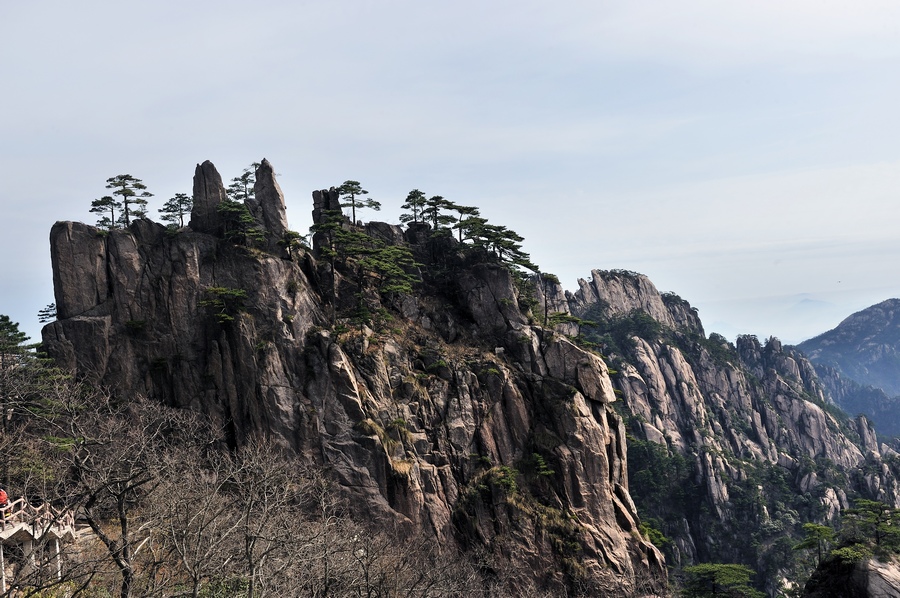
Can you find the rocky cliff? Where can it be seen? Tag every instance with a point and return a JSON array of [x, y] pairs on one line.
[[731, 448], [552, 438], [447, 412], [859, 363], [870, 578]]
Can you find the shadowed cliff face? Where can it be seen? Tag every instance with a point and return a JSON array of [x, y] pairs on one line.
[[455, 416], [745, 433]]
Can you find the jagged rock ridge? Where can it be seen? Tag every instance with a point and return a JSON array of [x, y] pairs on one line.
[[457, 418], [747, 434]]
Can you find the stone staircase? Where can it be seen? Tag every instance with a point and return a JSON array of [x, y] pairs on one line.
[[28, 525]]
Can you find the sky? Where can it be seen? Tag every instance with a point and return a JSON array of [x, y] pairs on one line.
[[743, 155]]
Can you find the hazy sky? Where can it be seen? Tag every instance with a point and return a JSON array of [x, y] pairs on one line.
[[745, 155]]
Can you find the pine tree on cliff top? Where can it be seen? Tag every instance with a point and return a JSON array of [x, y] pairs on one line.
[[350, 192], [176, 208], [415, 203], [133, 196], [107, 206]]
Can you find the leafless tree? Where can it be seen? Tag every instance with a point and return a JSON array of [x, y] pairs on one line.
[[197, 520], [116, 455]]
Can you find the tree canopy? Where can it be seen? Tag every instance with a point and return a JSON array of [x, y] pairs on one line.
[[107, 206], [415, 204], [238, 224], [351, 196], [726, 580], [241, 187], [176, 208], [12, 342], [435, 213], [133, 195], [818, 537], [128, 200], [389, 269]]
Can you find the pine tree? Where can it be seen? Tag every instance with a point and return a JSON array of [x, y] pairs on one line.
[[47, 314], [107, 206], [719, 579], [133, 196], [292, 241], [12, 343], [872, 520], [415, 203], [350, 191], [241, 187], [466, 213], [504, 243], [433, 213], [176, 208], [238, 223], [818, 537]]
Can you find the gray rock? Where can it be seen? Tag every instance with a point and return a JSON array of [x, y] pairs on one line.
[[412, 425], [764, 406], [209, 192], [267, 206], [79, 260]]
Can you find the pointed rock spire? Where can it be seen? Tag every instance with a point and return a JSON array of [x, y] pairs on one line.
[[267, 205], [325, 200], [209, 192]]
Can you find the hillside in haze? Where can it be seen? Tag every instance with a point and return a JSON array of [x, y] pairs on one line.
[[859, 361], [567, 443]]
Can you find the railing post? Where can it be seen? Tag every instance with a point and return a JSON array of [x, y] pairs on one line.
[[2, 570], [56, 560]]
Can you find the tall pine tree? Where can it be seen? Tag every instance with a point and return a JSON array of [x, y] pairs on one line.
[[133, 195]]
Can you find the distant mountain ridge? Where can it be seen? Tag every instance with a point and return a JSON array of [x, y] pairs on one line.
[[859, 362]]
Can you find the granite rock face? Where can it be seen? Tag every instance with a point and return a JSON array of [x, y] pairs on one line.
[[869, 578], [460, 419], [267, 206], [761, 445], [209, 192], [619, 292]]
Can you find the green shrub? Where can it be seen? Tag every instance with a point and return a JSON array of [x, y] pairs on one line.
[[851, 554], [224, 302]]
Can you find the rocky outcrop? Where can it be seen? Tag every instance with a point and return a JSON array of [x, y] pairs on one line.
[[82, 284], [748, 432], [325, 200], [619, 292], [209, 192], [266, 205], [458, 418], [869, 578], [459, 412]]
